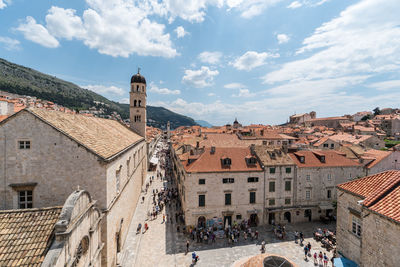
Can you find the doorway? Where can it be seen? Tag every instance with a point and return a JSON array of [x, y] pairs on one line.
[[227, 221], [253, 220], [201, 222], [308, 213], [271, 218], [287, 216]]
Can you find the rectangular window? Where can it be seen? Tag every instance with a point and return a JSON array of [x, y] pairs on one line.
[[238, 217], [326, 145], [271, 202], [356, 226], [308, 177], [329, 193], [117, 179], [24, 144], [228, 180], [288, 185], [202, 181], [252, 197], [271, 186], [308, 194], [252, 179], [287, 201], [202, 200], [329, 177], [25, 199], [332, 146], [228, 199], [288, 170], [271, 170]]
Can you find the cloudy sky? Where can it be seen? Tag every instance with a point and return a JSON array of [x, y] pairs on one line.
[[258, 60]]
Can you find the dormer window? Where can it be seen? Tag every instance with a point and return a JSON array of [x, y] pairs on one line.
[[302, 159], [251, 160], [323, 159], [226, 162]]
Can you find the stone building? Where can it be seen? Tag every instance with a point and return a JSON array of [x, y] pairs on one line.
[[302, 118], [68, 235], [317, 174], [368, 225], [46, 154], [280, 179], [220, 186]]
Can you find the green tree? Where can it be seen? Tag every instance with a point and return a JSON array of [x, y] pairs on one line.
[[377, 111]]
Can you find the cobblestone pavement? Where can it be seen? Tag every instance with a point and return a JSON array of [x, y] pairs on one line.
[[162, 245]]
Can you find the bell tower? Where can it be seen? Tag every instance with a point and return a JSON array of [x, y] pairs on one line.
[[138, 104]]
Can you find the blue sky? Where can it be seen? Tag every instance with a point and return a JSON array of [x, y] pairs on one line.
[[258, 60]]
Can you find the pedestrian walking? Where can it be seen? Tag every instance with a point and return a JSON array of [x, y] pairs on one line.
[[187, 246], [163, 218], [325, 260], [301, 238], [305, 252], [320, 256], [315, 258]]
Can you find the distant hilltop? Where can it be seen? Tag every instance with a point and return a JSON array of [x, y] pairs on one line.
[[23, 81]]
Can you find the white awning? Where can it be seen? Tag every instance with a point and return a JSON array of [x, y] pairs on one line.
[[326, 206], [154, 160]]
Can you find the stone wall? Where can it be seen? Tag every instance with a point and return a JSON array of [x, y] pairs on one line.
[[214, 191], [348, 244], [56, 163], [380, 241]]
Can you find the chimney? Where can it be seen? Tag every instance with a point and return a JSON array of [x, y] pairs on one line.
[[197, 144], [212, 151]]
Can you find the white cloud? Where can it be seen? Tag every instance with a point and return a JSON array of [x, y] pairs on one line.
[[180, 32], [102, 89], [345, 46], [234, 86], [252, 59], [63, 23], [210, 57], [117, 28], [211, 94], [124, 100], [200, 78], [386, 85], [251, 8], [37, 33], [244, 93], [282, 38], [4, 3], [9, 43], [163, 91], [295, 4]]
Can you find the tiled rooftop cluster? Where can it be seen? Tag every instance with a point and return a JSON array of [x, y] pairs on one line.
[[24, 235]]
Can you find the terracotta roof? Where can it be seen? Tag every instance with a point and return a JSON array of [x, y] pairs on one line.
[[103, 137], [3, 117], [272, 156], [211, 162], [377, 155], [381, 192], [332, 159], [329, 118], [24, 235]]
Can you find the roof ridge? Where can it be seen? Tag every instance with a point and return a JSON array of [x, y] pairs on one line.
[[30, 210]]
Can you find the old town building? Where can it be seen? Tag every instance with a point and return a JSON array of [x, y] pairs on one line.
[[46, 154], [368, 226], [220, 186], [317, 174]]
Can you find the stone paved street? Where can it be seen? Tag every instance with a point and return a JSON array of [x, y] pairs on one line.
[[161, 245]]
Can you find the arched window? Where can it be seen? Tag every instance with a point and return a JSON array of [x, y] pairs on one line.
[[142, 88], [137, 88], [134, 103], [139, 103], [139, 118]]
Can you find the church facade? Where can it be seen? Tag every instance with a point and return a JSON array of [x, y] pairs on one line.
[[45, 155]]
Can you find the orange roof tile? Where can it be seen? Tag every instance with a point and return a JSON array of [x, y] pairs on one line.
[[332, 159], [211, 162], [381, 192]]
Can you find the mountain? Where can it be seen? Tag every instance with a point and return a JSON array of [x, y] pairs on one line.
[[21, 80], [204, 123]]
